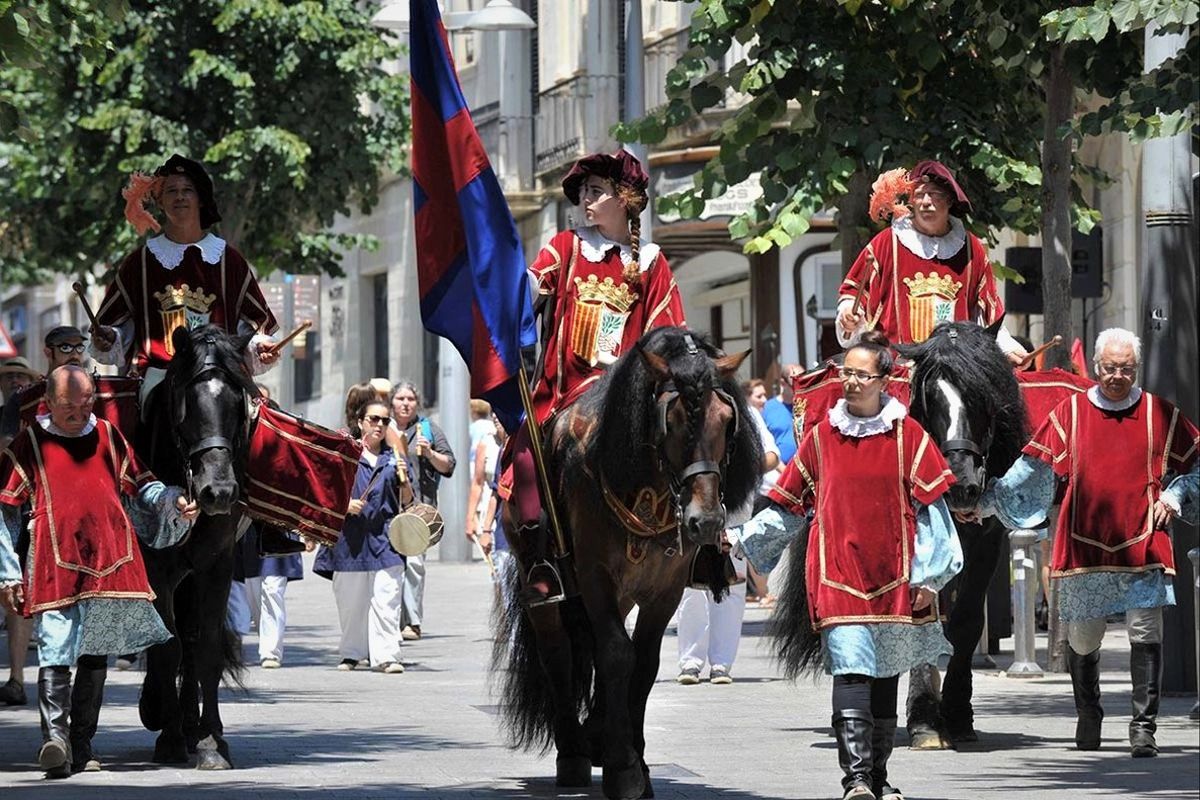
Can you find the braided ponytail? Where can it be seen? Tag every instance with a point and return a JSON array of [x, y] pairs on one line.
[[635, 202]]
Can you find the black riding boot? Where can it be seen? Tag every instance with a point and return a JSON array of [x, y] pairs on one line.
[[883, 739], [54, 703], [1085, 682], [854, 729], [543, 583], [1145, 667], [86, 699]]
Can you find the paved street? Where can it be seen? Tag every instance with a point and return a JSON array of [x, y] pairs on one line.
[[308, 731]]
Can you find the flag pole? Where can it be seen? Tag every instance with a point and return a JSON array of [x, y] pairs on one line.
[[535, 440]]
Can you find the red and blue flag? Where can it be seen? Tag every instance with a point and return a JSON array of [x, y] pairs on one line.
[[470, 263]]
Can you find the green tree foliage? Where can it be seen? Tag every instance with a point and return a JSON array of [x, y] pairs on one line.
[[840, 91], [287, 103]]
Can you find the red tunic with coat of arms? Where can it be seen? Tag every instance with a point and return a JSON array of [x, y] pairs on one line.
[[597, 315], [860, 543], [194, 293], [906, 295], [1116, 464], [83, 543]]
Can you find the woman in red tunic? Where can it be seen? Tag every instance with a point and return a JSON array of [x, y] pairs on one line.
[[599, 289], [880, 545]]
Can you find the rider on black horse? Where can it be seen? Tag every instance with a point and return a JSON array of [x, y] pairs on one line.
[[184, 277]]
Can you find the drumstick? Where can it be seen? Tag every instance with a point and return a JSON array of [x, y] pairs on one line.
[[486, 555], [275, 347], [1028, 359], [87, 308], [862, 289], [370, 484]]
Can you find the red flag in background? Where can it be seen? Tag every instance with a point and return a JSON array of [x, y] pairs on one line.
[[1078, 359]]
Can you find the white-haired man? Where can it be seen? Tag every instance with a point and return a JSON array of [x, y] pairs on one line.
[[1129, 462]]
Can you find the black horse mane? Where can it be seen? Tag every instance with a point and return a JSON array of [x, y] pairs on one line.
[[624, 448], [967, 356]]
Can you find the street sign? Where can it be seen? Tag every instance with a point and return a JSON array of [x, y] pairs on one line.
[[7, 348]]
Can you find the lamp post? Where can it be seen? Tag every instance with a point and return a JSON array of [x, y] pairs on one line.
[[454, 387]]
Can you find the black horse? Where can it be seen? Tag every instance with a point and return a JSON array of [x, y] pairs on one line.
[[662, 424], [964, 393], [196, 436]]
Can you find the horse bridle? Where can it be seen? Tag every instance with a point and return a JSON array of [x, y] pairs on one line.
[[667, 394], [961, 445], [210, 364]]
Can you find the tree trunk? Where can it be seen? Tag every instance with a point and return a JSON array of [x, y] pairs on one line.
[[1056, 209], [853, 230]]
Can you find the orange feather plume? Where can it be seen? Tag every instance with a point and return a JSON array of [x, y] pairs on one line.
[[890, 194], [140, 185]]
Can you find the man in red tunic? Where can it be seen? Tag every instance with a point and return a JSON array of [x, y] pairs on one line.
[[183, 277], [600, 289], [924, 269], [1128, 459], [85, 583]]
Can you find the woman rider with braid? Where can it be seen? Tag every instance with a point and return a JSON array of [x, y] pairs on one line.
[[599, 288]]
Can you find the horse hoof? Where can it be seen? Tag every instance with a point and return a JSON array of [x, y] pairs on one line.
[[928, 740], [169, 751], [648, 792], [208, 755], [964, 734], [625, 783], [150, 712], [573, 772]]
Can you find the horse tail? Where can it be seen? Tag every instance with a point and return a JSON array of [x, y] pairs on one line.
[[526, 691], [796, 643], [233, 664], [188, 620]]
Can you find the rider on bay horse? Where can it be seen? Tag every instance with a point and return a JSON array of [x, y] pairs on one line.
[[184, 277], [599, 289]]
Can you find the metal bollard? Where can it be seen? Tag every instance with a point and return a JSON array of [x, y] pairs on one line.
[[1026, 582], [1194, 557]]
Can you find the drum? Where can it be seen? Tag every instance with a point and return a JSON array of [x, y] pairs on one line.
[[416, 529]]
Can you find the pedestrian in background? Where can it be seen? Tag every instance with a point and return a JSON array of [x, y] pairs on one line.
[[430, 459], [708, 631], [367, 574]]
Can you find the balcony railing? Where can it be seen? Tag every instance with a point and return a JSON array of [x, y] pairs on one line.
[[506, 140], [571, 119], [663, 55]]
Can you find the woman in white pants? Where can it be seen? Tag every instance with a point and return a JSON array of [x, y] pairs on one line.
[[709, 631], [368, 575], [264, 580]]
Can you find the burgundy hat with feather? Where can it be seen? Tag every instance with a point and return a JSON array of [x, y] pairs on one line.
[[939, 173], [621, 167]]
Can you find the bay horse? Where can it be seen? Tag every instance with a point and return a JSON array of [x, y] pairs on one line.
[[665, 430], [196, 435], [964, 393]]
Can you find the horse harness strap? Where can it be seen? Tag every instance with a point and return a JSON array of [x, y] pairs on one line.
[[962, 444]]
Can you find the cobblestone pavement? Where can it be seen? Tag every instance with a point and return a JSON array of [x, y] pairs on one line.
[[309, 731]]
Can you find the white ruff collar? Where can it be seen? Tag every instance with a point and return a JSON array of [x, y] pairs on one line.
[[892, 412], [594, 246], [51, 428], [170, 254], [1097, 398], [930, 247]]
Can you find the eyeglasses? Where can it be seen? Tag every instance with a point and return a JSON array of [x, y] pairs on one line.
[[862, 377], [376, 420], [1124, 370], [67, 349]]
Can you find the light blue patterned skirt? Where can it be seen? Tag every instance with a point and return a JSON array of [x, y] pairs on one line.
[[882, 649]]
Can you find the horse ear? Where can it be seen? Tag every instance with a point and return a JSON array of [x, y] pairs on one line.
[[728, 365], [657, 365], [181, 339], [994, 328]]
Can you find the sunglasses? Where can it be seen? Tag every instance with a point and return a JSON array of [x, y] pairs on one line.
[[376, 420], [67, 349]]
